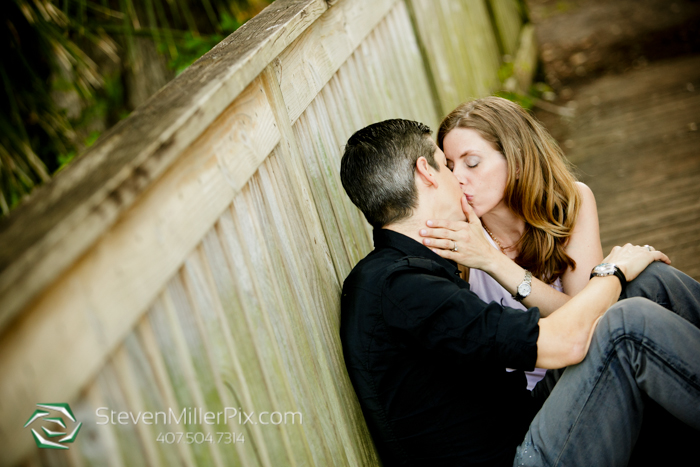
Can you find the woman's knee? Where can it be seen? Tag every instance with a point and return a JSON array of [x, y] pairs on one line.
[[631, 315], [650, 282]]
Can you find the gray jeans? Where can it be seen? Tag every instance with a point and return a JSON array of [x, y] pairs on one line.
[[593, 414]]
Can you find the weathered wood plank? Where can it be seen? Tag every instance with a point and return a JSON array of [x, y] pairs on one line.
[[525, 62], [219, 285], [304, 288], [635, 143], [133, 401], [330, 374], [160, 378], [383, 79], [461, 48], [127, 439], [181, 369], [267, 395], [307, 65], [230, 357], [64, 218], [507, 16], [106, 292], [102, 448], [289, 153]]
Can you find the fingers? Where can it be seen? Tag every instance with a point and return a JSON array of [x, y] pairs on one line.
[[438, 233], [628, 248], [656, 254], [446, 224], [447, 253], [659, 256], [469, 211], [439, 244]]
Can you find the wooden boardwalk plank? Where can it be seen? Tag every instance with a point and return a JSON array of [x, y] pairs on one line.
[[635, 142]]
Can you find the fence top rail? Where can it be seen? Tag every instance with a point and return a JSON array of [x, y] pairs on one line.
[[62, 219]]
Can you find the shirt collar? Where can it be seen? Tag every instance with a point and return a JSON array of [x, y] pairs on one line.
[[410, 247]]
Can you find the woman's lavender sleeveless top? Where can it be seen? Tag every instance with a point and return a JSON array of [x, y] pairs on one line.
[[487, 289]]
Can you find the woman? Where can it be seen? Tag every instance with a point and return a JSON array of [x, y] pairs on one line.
[[517, 181]]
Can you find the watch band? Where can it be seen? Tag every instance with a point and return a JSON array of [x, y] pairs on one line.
[[524, 288], [616, 272]]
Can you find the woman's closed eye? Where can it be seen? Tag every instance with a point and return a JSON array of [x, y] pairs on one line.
[[471, 162]]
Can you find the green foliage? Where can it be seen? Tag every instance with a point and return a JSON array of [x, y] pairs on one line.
[[52, 47], [505, 71], [32, 128], [525, 101], [538, 90], [191, 46]]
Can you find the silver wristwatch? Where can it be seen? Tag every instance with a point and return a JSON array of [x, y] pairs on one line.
[[524, 288]]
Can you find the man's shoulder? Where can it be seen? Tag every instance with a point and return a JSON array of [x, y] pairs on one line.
[[373, 271]]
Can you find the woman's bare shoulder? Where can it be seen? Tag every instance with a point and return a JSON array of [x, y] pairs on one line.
[[584, 191], [588, 204]]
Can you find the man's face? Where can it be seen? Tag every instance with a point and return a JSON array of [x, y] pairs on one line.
[[448, 203]]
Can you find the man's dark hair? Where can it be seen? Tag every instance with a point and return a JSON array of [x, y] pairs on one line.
[[378, 168]]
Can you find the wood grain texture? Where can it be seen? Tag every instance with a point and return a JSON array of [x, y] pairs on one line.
[[90, 309], [215, 281], [462, 50], [64, 218], [525, 62], [307, 65], [507, 19], [635, 143]]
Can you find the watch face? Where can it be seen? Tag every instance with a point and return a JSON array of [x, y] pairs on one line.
[[604, 269], [524, 290]]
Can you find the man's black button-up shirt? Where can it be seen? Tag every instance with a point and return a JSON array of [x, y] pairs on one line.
[[428, 359]]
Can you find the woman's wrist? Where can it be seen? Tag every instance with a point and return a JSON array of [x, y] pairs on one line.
[[495, 262]]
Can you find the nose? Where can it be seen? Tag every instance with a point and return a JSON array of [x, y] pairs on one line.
[[461, 176]]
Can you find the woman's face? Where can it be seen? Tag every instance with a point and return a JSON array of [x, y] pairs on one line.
[[482, 171]]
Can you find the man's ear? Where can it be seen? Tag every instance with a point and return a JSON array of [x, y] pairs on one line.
[[425, 172]]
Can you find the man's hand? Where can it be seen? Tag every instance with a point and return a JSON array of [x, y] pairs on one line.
[[633, 259], [472, 247]]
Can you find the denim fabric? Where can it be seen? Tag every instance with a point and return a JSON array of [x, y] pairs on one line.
[[639, 349], [670, 288]]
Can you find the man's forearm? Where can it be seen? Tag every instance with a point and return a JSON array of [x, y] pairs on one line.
[[565, 335]]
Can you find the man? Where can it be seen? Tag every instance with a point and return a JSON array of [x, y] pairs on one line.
[[411, 327]]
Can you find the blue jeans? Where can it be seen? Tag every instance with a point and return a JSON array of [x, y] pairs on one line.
[[594, 411]]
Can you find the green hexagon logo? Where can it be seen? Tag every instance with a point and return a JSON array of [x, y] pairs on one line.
[[51, 415]]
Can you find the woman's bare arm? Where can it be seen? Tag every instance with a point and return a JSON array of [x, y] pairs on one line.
[[584, 244]]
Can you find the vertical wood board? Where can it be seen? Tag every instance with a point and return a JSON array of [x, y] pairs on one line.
[[220, 285], [507, 16], [67, 216], [92, 307], [461, 47], [307, 65]]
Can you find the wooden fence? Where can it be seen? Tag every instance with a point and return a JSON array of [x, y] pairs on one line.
[[193, 258]]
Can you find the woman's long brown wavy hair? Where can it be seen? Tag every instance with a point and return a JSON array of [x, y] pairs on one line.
[[540, 188]]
